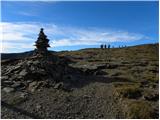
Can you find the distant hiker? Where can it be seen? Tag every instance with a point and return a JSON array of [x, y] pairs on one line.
[[105, 46], [109, 46], [101, 46]]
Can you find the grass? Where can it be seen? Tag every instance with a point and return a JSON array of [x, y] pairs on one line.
[[151, 77], [17, 100], [138, 63], [131, 91], [139, 110]]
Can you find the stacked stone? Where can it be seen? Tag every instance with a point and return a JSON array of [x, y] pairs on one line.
[[42, 43]]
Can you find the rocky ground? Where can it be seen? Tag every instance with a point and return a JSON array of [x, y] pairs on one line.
[[89, 83]]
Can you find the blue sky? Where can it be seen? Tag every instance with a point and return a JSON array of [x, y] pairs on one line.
[[76, 25]]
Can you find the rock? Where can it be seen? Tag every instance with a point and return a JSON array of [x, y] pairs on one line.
[[38, 107], [17, 67], [36, 85], [39, 90], [8, 89], [58, 85], [35, 62], [32, 86], [111, 66], [41, 71], [24, 95], [100, 72], [29, 81], [66, 88], [16, 85], [32, 68], [116, 74], [4, 78], [86, 96], [33, 73], [29, 62], [7, 82], [23, 73], [153, 86], [89, 71], [101, 66]]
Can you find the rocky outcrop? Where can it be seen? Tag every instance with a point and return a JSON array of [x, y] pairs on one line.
[[34, 72]]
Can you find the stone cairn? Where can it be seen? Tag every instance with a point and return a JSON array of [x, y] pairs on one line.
[[42, 69], [42, 43]]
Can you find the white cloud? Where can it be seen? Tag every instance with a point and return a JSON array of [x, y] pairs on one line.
[[21, 35], [28, 13]]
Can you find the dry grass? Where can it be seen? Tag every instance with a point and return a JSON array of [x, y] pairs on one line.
[[139, 110], [131, 91]]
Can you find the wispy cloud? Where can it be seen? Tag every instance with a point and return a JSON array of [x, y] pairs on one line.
[[24, 13], [23, 35]]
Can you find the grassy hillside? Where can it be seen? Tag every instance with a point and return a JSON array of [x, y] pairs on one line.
[[113, 83], [139, 65]]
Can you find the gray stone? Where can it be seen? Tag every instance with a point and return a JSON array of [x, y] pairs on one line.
[[29, 81], [111, 66], [24, 95], [17, 67], [7, 82], [100, 72], [32, 86], [29, 62], [8, 89], [41, 71], [86, 96], [32, 68], [16, 84], [4, 78], [58, 85], [35, 62], [38, 107], [23, 72]]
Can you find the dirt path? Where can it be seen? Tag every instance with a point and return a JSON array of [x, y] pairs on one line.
[[94, 100]]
